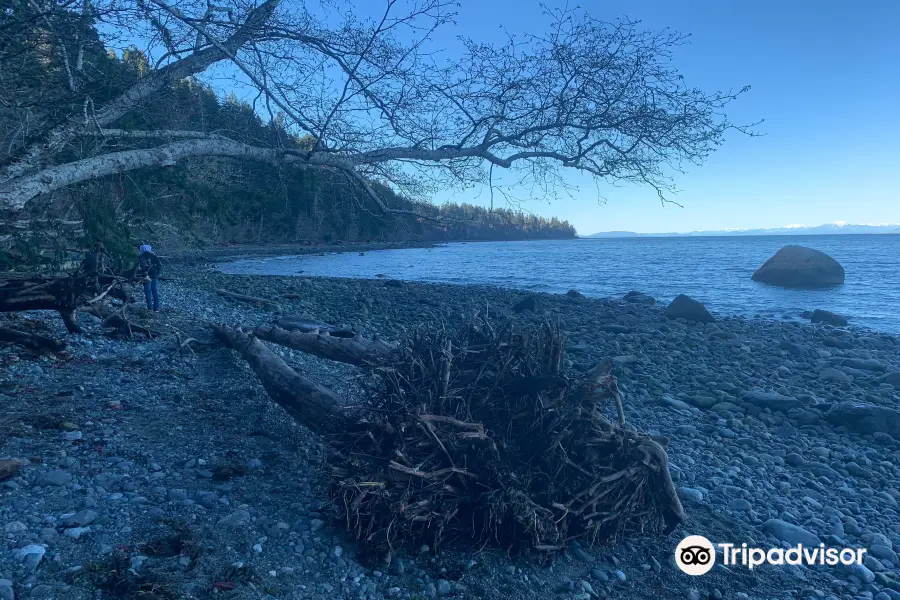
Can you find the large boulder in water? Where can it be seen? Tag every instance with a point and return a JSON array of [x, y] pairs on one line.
[[685, 307], [800, 267]]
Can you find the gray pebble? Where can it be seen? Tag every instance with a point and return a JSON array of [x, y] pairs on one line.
[[691, 494], [15, 527], [739, 504], [81, 518], [238, 518], [53, 478]]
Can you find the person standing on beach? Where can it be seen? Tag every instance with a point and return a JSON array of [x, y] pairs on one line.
[[148, 268], [94, 262]]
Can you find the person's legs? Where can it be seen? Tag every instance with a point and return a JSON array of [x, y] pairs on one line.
[[147, 294], [154, 286]]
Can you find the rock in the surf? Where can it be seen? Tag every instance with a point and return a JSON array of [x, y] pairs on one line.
[[829, 318], [800, 267], [639, 298]]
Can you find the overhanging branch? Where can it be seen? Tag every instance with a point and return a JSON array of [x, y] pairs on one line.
[[18, 192], [39, 153]]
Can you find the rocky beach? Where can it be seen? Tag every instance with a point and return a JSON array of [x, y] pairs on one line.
[[159, 468]]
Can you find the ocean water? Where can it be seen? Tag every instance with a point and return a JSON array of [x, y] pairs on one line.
[[714, 270]]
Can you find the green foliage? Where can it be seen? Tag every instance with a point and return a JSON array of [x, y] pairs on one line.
[[101, 224]]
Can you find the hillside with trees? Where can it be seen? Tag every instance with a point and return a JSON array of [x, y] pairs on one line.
[[206, 200], [351, 128]]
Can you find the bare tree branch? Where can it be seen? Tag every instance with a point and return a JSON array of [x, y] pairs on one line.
[[584, 95], [40, 153]]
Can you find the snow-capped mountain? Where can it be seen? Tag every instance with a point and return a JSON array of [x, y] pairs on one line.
[[838, 227]]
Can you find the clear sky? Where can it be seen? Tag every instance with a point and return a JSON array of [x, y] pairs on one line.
[[825, 76]]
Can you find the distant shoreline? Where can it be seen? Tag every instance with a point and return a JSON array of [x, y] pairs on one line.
[[232, 253], [224, 254], [613, 236]]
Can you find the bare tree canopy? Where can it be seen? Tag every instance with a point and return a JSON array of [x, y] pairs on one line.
[[367, 97]]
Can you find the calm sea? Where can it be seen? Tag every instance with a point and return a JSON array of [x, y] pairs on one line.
[[714, 270]]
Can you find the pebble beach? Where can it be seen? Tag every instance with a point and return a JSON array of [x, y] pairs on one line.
[[153, 467]]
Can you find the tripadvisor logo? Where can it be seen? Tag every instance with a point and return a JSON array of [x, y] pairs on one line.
[[696, 555]]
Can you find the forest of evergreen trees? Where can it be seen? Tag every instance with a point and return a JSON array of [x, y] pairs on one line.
[[205, 200]]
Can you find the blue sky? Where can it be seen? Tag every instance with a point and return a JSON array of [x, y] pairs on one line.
[[825, 76]]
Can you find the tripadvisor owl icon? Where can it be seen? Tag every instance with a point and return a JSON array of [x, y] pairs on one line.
[[695, 555]]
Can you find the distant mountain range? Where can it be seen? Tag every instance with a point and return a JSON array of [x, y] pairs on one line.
[[827, 229]]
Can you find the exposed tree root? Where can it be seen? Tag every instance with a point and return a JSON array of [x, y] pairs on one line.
[[63, 294], [478, 435]]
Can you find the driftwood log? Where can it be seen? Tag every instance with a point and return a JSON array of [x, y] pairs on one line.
[[307, 325], [62, 294], [310, 404], [251, 299], [31, 341], [333, 345], [479, 436]]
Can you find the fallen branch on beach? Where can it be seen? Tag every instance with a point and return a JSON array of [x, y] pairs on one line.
[[31, 341], [478, 435], [186, 343], [251, 299], [311, 405], [355, 350], [118, 323], [308, 326]]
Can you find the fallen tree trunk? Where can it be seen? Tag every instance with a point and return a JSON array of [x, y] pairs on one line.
[[311, 405], [250, 299], [355, 350], [453, 441], [307, 325], [62, 294], [31, 340]]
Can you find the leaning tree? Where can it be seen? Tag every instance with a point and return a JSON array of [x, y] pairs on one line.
[[372, 97]]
